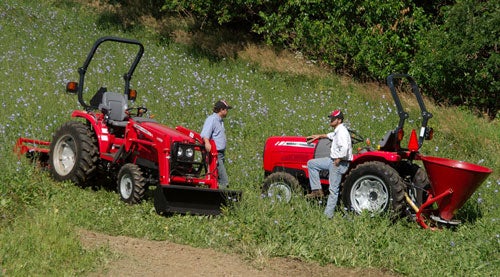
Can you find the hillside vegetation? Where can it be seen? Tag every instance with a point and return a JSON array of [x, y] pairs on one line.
[[450, 46], [44, 42]]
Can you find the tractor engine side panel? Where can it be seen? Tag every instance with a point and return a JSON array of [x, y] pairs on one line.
[[288, 154]]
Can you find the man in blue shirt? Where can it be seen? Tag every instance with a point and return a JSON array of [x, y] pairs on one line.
[[213, 128]]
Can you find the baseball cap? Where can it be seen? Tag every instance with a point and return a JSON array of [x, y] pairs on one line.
[[336, 114], [222, 104]]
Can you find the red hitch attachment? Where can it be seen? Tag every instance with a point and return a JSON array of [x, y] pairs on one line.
[[25, 145]]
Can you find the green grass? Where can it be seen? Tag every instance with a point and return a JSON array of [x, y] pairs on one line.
[[44, 42]]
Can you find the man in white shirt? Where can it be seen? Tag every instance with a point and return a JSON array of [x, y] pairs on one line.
[[337, 164]]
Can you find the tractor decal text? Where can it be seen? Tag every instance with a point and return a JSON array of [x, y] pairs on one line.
[[294, 144], [142, 130]]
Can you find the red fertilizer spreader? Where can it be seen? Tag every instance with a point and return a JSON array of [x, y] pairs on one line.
[[452, 184]]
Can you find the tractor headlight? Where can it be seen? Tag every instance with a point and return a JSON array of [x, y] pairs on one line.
[[188, 159], [189, 152], [185, 152]]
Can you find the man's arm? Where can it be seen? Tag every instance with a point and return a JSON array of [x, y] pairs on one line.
[[208, 146], [312, 138], [206, 133]]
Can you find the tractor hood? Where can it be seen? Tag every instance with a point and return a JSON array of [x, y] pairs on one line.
[[286, 151], [160, 131]]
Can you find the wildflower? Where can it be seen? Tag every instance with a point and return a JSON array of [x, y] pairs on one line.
[[452, 243], [18, 168]]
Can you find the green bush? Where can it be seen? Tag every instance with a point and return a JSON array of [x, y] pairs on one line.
[[458, 60], [452, 48], [365, 38]]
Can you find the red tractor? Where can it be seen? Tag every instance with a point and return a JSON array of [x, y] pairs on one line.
[[119, 142], [378, 180]]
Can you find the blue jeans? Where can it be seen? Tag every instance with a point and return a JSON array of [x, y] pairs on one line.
[[314, 166], [223, 178]]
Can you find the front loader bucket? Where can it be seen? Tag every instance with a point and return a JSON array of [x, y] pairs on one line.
[[192, 200]]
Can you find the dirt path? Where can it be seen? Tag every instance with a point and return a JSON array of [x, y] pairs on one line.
[[140, 257]]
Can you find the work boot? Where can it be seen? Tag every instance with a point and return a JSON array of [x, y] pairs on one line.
[[316, 193]]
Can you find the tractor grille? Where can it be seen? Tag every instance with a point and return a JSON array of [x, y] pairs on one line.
[[188, 160]]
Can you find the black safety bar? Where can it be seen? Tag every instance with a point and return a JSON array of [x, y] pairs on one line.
[[426, 115], [127, 76]]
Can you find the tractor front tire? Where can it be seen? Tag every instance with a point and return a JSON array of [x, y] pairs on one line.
[[375, 187], [131, 184], [280, 186], [73, 154]]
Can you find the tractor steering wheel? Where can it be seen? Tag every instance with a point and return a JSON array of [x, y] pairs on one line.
[[140, 111]]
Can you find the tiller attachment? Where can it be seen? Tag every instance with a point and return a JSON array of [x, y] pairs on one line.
[[173, 199], [453, 183]]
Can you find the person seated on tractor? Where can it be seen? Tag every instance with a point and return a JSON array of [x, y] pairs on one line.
[[336, 164]]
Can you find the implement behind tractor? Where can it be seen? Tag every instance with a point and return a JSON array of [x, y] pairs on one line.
[[118, 142]]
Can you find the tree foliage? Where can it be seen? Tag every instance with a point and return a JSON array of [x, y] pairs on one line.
[[451, 46], [459, 60]]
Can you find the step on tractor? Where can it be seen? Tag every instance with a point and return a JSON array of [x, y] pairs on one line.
[[110, 140], [387, 178]]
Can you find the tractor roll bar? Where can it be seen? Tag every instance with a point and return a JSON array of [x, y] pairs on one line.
[[426, 115], [127, 76]]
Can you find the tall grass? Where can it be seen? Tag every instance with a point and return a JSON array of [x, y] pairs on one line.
[[43, 44]]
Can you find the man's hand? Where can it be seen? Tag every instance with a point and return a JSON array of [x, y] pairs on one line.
[[336, 162], [312, 138], [208, 145]]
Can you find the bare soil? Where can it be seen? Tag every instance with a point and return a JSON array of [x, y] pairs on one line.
[[140, 257]]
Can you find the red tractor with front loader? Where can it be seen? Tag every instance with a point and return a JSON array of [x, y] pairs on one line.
[[385, 179], [114, 141]]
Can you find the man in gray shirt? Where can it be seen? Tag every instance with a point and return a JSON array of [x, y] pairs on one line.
[[213, 128]]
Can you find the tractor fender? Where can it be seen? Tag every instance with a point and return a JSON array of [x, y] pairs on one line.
[[90, 117], [381, 156], [101, 130]]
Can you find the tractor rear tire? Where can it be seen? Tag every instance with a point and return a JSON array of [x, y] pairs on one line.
[[422, 184], [280, 186], [375, 187], [73, 154], [131, 184]]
